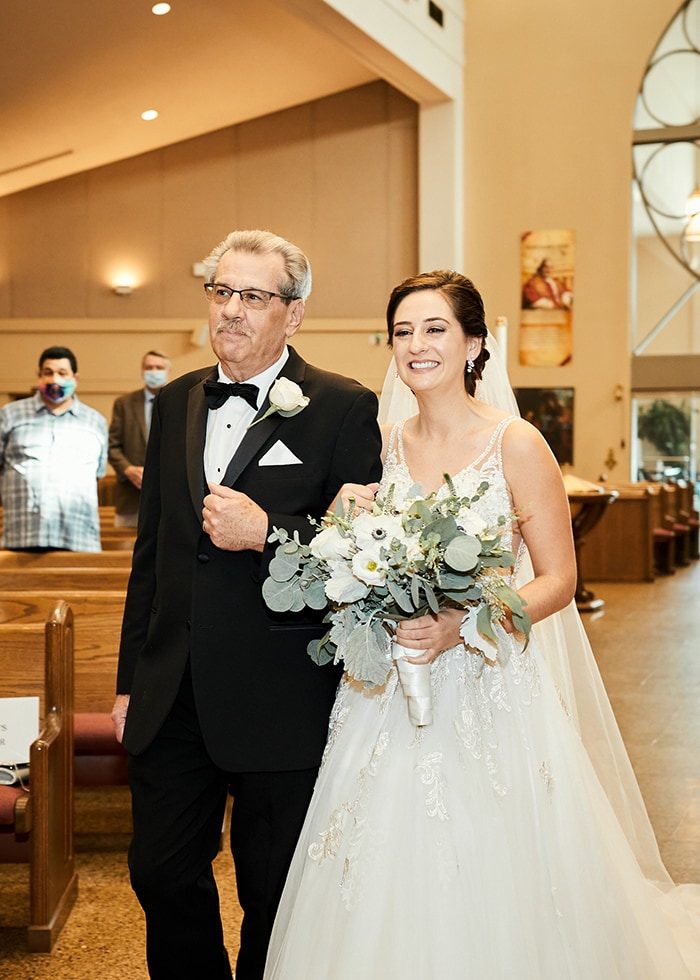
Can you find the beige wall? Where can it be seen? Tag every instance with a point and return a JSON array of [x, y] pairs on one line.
[[337, 176], [551, 93], [549, 101]]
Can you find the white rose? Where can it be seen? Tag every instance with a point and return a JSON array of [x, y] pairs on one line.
[[470, 522], [329, 544], [286, 396], [414, 552], [342, 586]]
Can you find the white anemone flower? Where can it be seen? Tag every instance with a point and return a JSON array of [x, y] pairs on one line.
[[369, 567], [373, 530]]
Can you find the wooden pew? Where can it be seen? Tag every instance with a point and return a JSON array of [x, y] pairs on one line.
[[65, 559], [55, 581], [36, 659], [689, 515], [673, 520], [620, 548], [99, 759]]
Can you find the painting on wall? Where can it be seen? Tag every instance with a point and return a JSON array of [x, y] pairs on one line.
[[547, 297], [551, 410]]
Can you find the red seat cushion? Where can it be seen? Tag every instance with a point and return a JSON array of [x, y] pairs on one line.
[[93, 734], [8, 797]]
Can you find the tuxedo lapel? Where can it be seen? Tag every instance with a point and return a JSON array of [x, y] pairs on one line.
[[258, 434], [195, 436]]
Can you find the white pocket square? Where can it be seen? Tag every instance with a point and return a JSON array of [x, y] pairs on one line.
[[278, 455]]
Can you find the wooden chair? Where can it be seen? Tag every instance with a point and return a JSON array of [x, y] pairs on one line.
[[37, 659]]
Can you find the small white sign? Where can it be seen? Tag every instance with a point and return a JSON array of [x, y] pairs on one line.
[[19, 727]]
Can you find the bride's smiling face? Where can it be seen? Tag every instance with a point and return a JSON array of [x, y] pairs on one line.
[[430, 347]]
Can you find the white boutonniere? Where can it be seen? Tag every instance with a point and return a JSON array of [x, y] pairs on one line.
[[286, 399]]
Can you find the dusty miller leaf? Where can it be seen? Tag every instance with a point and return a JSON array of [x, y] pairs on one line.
[[364, 659]]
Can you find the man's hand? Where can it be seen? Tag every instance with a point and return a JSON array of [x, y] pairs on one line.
[[233, 521], [134, 474], [121, 706]]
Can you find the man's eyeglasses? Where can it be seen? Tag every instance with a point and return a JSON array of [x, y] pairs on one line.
[[252, 299]]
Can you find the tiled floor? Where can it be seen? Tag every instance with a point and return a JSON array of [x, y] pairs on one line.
[[647, 643]]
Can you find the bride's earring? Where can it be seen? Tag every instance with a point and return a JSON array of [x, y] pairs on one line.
[[470, 365]]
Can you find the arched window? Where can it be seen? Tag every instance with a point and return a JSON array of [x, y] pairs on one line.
[[666, 254]]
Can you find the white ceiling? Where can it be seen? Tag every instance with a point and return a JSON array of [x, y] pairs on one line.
[[75, 76]]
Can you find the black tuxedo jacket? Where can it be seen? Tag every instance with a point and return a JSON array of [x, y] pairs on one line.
[[263, 705]]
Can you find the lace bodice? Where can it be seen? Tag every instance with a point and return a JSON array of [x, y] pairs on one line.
[[487, 467]]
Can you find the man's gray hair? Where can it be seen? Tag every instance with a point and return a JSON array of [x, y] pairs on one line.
[[297, 266]]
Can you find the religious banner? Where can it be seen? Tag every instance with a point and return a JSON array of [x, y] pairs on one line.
[[547, 297]]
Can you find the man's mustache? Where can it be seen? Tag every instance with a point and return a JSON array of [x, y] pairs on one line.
[[230, 326]]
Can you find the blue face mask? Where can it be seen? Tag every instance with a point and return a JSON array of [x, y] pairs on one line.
[[57, 391], [155, 379]]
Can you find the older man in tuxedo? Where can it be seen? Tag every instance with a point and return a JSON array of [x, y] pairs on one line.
[[215, 693]]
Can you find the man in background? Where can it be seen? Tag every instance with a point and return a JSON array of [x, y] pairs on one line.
[[128, 435], [53, 449]]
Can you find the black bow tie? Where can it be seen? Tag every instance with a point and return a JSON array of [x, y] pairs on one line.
[[218, 391]]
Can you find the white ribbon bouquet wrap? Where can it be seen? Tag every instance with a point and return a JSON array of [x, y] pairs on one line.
[[415, 683], [372, 570]]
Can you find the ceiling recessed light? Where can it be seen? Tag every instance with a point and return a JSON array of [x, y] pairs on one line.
[[160, 8], [149, 114]]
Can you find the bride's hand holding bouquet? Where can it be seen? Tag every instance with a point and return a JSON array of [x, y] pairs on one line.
[[379, 567]]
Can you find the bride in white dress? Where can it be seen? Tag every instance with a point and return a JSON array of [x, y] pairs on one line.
[[490, 844]]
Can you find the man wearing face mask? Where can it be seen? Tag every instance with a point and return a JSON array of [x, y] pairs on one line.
[[128, 435], [53, 449]]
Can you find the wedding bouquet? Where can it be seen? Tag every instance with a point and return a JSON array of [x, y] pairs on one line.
[[375, 569]]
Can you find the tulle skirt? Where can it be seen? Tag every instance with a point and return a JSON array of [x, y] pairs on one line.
[[481, 847]]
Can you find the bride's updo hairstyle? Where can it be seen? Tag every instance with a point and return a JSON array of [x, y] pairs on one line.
[[465, 302]]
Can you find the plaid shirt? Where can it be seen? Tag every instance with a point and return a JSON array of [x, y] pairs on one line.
[[50, 465]]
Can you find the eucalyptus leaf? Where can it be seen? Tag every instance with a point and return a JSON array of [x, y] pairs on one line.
[[400, 596], [462, 553], [430, 596], [283, 567], [444, 528], [319, 652], [281, 596], [484, 624], [315, 594]]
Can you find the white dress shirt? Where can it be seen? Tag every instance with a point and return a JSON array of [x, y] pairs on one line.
[[227, 425]]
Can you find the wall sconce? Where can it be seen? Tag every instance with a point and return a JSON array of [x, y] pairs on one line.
[[123, 289]]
